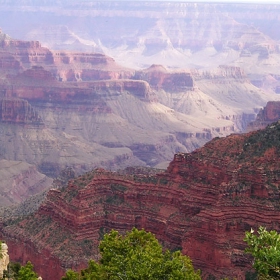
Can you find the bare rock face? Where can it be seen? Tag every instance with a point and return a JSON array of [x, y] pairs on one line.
[[14, 110], [159, 78], [36, 75], [269, 114], [4, 259], [25, 52], [203, 204], [17, 44], [226, 71], [74, 66], [69, 103], [19, 181]]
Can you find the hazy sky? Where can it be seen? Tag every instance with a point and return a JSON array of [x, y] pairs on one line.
[[211, 1], [223, 1]]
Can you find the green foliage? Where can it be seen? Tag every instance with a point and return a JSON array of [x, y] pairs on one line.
[[249, 275], [27, 273], [265, 248], [13, 271], [136, 256], [71, 275], [85, 179], [211, 277], [115, 200], [102, 232], [116, 187], [94, 271], [183, 186], [262, 140], [163, 181]]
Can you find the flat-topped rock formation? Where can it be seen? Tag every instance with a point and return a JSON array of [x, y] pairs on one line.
[[159, 78], [15, 110]]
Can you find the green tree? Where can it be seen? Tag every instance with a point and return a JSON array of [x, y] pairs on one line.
[[265, 249], [137, 256], [71, 275], [13, 270], [27, 273]]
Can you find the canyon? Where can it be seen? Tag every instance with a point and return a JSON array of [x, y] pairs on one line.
[[203, 204], [176, 34], [64, 109], [129, 114]]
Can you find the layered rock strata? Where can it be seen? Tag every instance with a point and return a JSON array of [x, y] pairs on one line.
[[15, 110], [202, 204], [89, 102], [20, 181], [159, 78], [267, 115]]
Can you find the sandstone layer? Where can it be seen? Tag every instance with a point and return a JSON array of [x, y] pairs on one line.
[[203, 203]]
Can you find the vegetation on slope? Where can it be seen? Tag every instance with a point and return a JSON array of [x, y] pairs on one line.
[[136, 255], [263, 140], [17, 272]]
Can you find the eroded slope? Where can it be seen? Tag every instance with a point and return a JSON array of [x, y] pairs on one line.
[[203, 204]]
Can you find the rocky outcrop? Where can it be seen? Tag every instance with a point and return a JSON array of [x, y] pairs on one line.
[[269, 114], [8, 63], [18, 44], [87, 93], [90, 99], [140, 89], [223, 72], [15, 110], [36, 75], [27, 52], [20, 180], [4, 260], [203, 204], [159, 78], [74, 66], [18, 55]]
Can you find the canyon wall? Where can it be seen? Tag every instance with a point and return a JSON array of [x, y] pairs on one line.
[[141, 34], [159, 78], [267, 115], [20, 181], [18, 111], [139, 117], [203, 204]]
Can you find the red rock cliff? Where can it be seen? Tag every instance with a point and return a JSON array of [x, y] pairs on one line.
[[17, 110], [159, 78], [269, 114], [203, 203]]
